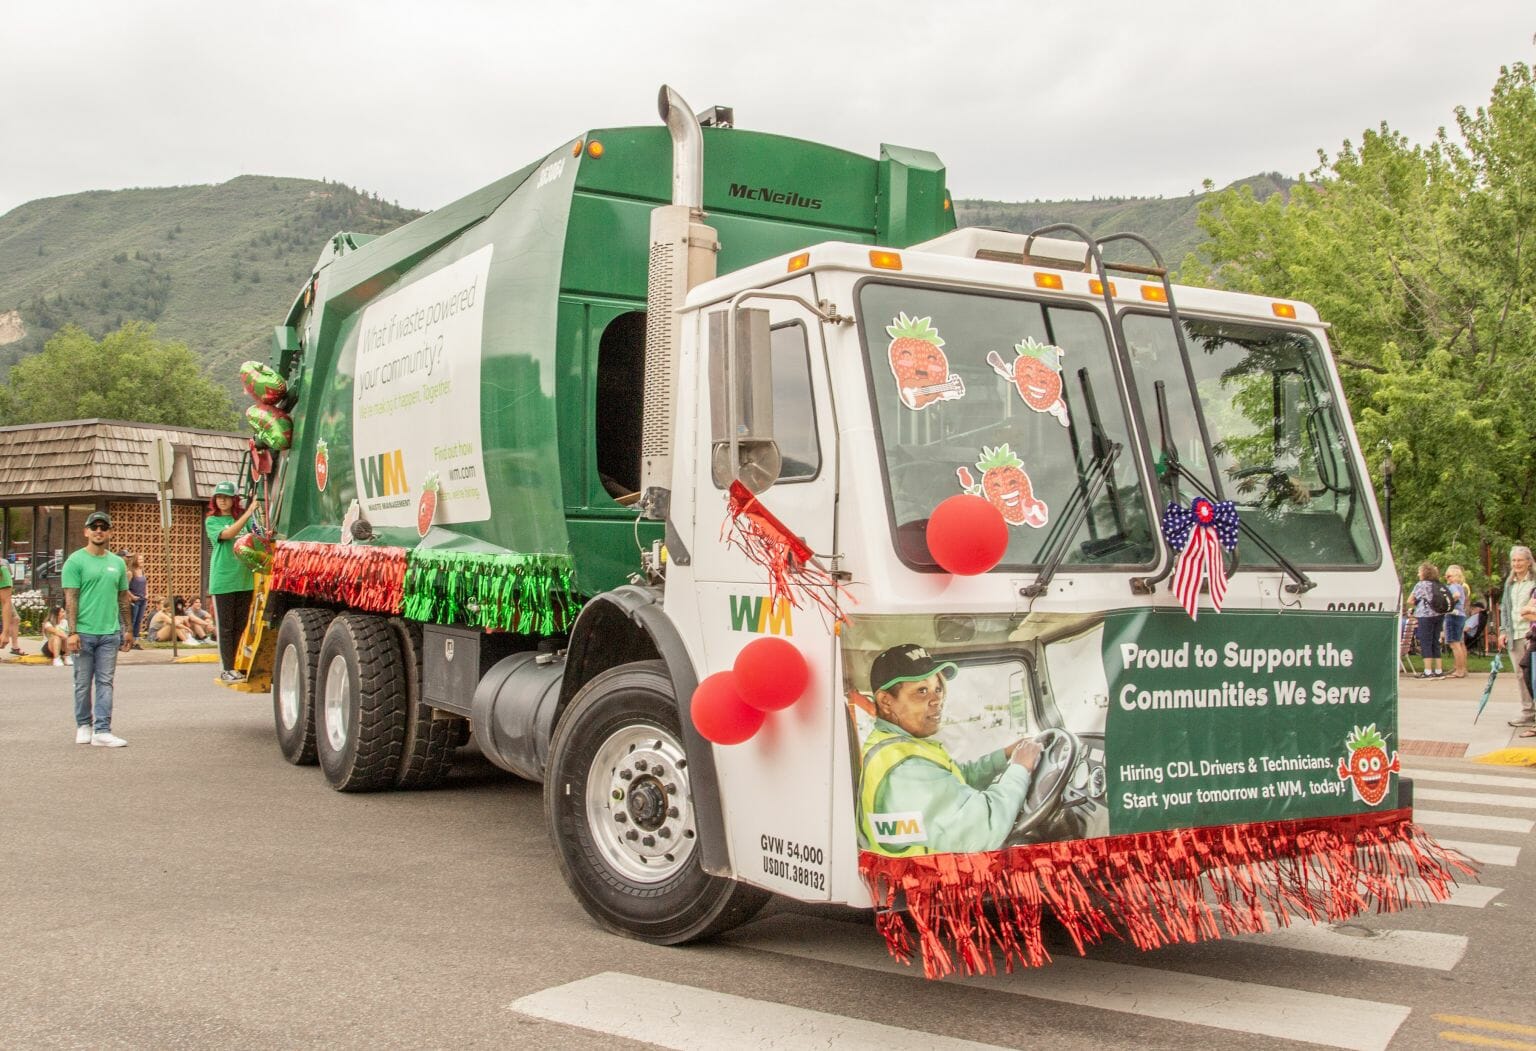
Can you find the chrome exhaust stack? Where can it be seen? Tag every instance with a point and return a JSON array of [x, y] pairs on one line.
[[683, 255]]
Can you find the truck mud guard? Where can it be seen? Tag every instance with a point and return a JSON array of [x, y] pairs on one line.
[[628, 624]]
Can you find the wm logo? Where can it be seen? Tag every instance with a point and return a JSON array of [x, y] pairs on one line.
[[383, 475], [904, 827], [755, 614]]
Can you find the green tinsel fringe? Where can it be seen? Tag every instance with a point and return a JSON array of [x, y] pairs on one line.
[[527, 594]]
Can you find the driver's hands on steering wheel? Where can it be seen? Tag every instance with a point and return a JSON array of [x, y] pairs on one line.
[[1025, 753]]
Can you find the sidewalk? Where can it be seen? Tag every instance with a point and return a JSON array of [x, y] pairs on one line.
[[184, 655], [1434, 716]]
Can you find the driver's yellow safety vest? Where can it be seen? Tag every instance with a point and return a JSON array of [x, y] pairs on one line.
[[883, 752]]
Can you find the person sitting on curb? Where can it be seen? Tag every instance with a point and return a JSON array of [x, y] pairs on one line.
[[164, 623], [56, 637]]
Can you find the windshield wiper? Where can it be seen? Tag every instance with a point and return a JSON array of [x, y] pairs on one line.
[[1175, 471], [1079, 506]]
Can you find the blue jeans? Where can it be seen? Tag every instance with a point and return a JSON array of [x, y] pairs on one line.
[[96, 660], [136, 616]]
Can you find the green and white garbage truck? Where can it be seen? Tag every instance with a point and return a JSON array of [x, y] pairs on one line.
[[801, 543]]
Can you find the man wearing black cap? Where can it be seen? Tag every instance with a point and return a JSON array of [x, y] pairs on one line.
[[96, 595], [913, 797]]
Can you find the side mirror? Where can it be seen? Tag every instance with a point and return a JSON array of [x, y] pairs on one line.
[[741, 400]]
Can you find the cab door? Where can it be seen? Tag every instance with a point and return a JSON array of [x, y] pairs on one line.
[[776, 787]]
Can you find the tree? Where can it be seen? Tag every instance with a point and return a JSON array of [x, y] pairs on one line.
[[1424, 260], [128, 375]]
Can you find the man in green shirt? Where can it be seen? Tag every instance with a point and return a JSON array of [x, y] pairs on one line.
[[914, 798], [10, 632], [96, 596]]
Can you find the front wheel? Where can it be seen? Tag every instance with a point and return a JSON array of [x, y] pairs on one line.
[[621, 812]]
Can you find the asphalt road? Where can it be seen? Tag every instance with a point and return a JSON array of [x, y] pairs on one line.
[[194, 890]]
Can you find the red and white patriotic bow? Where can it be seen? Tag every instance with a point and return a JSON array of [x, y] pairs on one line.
[[1199, 532]]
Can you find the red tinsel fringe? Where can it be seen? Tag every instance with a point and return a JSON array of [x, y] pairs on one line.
[[793, 574], [1154, 888], [367, 578]]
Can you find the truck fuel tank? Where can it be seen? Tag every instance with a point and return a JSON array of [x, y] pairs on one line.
[[513, 714]]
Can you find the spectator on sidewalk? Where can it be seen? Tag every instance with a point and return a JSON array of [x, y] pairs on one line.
[[200, 620], [1515, 619], [138, 587], [96, 595], [56, 637], [1456, 619], [1430, 620], [10, 624]]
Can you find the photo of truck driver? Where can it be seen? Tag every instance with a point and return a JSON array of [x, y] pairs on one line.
[[914, 798]]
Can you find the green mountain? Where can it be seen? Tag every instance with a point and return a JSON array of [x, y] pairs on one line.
[[1168, 222], [217, 266], [212, 266]]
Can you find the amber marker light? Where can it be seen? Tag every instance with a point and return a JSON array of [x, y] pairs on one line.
[[885, 260], [594, 149], [799, 262], [1048, 281], [576, 148], [1283, 310], [1097, 287], [1154, 293]]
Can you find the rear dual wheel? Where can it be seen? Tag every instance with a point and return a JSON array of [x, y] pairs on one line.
[[293, 682], [361, 704]]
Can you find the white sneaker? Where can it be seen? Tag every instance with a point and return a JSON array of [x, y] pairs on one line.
[[82, 733], [69, 661], [108, 740], [57, 663]]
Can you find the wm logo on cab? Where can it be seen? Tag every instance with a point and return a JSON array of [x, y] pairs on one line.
[[757, 615]]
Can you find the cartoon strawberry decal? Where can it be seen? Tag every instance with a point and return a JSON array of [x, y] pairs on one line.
[[1005, 485], [1036, 372], [919, 364], [426, 507], [1368, 766], [322, 465]]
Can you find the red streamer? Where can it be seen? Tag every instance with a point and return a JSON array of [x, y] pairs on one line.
[[1154, 888], [792, 574], [366, 578]]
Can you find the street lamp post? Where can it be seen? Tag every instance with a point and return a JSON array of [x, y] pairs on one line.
[[1387, 467]]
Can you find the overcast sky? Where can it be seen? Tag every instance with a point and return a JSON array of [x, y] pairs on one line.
[[424, 102]]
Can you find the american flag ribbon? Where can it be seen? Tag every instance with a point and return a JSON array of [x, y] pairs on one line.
[[1199, 532]]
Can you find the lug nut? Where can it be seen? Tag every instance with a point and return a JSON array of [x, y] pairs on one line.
[[664, 833], [658, 771], [620, 818], [625, 775], [618, 795], [671, 788], [640, 765], [672, 811], [631, 835], [648, 841]]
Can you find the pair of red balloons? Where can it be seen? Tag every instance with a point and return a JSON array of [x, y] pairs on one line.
[[730, 706]]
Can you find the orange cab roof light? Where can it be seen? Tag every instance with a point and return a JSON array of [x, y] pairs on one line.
[[1154, 293], [799, 262], [594, 149], [882, 260], [1097, 287], [1044, 280], [1283, 310]]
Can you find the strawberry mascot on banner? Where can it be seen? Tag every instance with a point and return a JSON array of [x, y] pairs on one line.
[[1199, 533]]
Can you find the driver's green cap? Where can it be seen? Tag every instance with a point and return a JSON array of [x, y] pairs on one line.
[[906, 663], [224, 489]]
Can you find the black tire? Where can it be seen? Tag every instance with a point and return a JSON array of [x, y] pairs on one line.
[[293, 682], [360, 704], [426, 755], [613, 854]]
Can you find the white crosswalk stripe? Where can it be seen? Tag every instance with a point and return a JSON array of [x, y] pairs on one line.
[[1473, 895], [1484, 853], [1319, 1018], [1456, 777], [1429, 949], [688, 1019], [1447, 795], [1485, 822]]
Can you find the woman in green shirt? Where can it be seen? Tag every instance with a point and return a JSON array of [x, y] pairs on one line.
[[229, 581]]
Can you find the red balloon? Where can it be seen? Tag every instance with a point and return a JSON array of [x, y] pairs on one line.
[[771, 674], [720, 713], [967, 535]]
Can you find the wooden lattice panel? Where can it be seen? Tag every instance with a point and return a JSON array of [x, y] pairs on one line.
[[136, 527]]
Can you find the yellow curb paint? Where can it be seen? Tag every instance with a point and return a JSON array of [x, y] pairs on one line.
[[1456, 1037], [1508, 757], [198, 658], [1473, 1022]]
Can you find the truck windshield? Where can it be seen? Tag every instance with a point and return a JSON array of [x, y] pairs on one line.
[[1274, 441], [1012, 400]]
